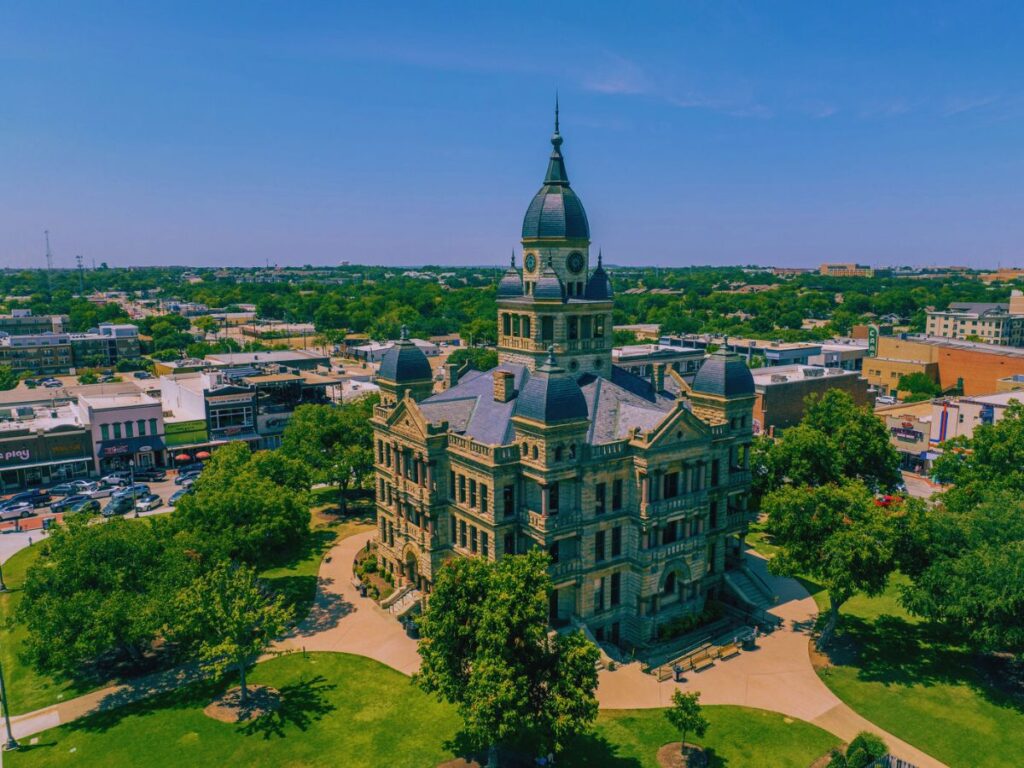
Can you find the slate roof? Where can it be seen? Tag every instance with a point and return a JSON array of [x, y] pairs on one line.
[[614, 406], [556, 211], [551, 395], [404, 362], [724, 373]]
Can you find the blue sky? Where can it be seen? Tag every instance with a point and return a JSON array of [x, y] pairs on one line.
[[695, 132]]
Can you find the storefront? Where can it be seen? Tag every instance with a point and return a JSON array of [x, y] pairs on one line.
[[144, 451], [46, 458]]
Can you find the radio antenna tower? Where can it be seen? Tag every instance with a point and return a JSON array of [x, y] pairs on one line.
[[81, 275], [49, 261]]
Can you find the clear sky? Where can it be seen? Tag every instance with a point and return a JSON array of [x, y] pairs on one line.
[[695, 132]]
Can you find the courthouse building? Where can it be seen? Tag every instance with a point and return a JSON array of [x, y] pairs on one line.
[[636, 486]]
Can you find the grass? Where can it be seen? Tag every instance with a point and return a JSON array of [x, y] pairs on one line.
[[346, 710], [903, 675], [28, 690]]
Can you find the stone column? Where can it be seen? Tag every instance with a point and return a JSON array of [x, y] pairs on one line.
[[543, 500], [644, 494]]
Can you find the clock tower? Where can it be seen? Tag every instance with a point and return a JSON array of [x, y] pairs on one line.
[[559, 301]]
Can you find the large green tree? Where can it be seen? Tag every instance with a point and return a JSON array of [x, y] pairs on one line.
[[245, 506], [334, 442], [100, 593], [836, 440], [836, 535], [486, 648], [8, 379], [230, 619]]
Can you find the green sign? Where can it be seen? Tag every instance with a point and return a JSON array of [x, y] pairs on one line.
[[872, 341]]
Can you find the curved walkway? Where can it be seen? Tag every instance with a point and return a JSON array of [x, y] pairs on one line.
[[778, 676]]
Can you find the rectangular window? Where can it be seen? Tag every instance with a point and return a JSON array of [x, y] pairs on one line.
[[553, 498], [616, 541], [227, 418], [713, 517], [104, 431], [599, 594], [129, 429], [142, 427], [616, 595], [485, 549], [599, 546], [585, 326], [553, 552], [472, 493], [617, 494], [472, 539], [451, 485], [515, 325], [599, 502], [462, 533], [671, 483], [483, 498], [599, 327], [547, 328], [573, 325], [117, 431], [526, 326], [455, 530], [508, 500], [510, 543], [668, 532], [506, 324], [152, 426], [462, 489], [714, 472]]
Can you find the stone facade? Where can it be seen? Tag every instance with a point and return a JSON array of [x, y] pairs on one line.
[[636, 488]]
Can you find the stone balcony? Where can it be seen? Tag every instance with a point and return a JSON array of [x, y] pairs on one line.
[[558, 521], [692, 501]]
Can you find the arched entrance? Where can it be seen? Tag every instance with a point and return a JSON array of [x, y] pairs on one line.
[[412, 568]]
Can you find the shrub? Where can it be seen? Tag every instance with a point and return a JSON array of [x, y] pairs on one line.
[[864, 750]]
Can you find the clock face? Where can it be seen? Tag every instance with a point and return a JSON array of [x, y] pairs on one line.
[[530, 262], [575, 262]]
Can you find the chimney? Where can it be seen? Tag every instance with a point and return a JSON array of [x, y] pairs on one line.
[[451, 375], [504, 386], [659, 377], [1016, 302]]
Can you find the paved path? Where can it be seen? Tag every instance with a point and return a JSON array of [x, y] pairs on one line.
[[778, 676]]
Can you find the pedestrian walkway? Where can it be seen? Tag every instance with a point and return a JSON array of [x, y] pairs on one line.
[[777, 676]]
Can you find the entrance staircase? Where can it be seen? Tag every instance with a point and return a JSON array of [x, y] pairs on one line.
[[407, 602], [749, 588]]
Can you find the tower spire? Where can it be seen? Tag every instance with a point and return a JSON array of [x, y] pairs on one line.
[[556, 111], [513, 258]]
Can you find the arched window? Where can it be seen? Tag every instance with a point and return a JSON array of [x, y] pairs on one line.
[[558, 453], [670, 584], [535, 452]]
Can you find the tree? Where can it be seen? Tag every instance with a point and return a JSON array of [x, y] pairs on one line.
[[206, 324], [862, 752], [994, 456], [836, 440], [486, 648], [479, 358], [229, 619], [251, 508], [685, 715], [8, 379], [919, 385], [99, 593], [835, 535], [89, 377], [334, 442]]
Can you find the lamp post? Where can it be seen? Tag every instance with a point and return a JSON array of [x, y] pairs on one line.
[[11, 743], [131, 470]]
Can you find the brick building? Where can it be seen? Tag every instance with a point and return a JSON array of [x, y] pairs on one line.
[[781, 393], [973, 366]]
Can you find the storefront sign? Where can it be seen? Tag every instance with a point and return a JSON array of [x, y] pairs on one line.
[[15, 455], [114, 450], [907, 433]]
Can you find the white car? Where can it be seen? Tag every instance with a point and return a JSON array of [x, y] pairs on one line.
[[100, 490], [148, 502]]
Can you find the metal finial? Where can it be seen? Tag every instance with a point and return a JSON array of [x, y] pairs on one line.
[[599, 257], [556, 110], [513, 258]]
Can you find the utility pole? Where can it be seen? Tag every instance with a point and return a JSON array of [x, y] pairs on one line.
[[81, 275], [49, 262]]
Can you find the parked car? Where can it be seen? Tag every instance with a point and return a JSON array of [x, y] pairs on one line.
[[36, 497], [67, 502], [52, 384], [195, 466], [142, 375], [16, 510], [102, 490], [64, 489], [176, 496], [119, 477], [85, 505], [31, 383], [139, 489], [148, 502], [153, 474], [186, 479], [118, 505]]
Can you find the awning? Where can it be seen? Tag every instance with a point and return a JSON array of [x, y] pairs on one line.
[[130, 445], [44, 464]]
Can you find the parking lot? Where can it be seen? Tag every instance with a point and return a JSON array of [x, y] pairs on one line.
[[163, 489]]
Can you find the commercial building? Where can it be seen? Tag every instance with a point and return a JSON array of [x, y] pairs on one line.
[[644, 359], [303, 360], [848, 354], [1001, 324], [884, 374], [782, 391], [918, 430], [374, 351], [21, 322], [637, 493], [124, 428], [973, 368], [62, 352], [846, 270], [771, 352], [42, 444]]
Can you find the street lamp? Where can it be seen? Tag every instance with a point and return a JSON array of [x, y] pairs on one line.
[[11, 743], [131, 470]]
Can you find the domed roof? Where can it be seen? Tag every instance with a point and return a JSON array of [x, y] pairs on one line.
[[725, 374], [404, 362], [551, 395], [511, 283], [556, 211], [549, 285], [599, 286]]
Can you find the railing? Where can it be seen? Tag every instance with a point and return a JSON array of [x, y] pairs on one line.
[[691, 500], [565, 518], [566, 568], [381, 412], [738, 477], [500, 454], [518, 342], [889, 761], [608, 450], [688, 545]]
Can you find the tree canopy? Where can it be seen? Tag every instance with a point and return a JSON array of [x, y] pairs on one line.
[[486, 648]]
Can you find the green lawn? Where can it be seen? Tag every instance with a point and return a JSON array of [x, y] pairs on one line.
[[899, 673], [341, 710], [28, 690]]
